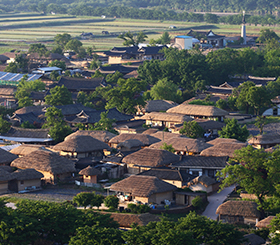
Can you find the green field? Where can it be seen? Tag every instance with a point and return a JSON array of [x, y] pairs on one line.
[[17, 31]]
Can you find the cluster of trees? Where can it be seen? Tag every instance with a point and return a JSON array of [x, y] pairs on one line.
[[38, 221]]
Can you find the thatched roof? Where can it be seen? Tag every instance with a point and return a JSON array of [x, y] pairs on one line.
[[26, 149], [26, 134], [203, 179], [81, 143], [198, 110], [142, 186], [265, 223], [90, 171], [44, 160], [183, 144], [169, 174], [166, 135], [223, 149], [130, 144], [159, 105], [103, 136], [6, 157], [126, 220], [166, 117], [4, 175], [264, 139], [239, 208], [151, 158], [28, 109], [209, 124], [144, 138], [150, 131], [222, 141], [26, 174]]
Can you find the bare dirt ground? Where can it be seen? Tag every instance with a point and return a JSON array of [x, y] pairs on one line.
[[52, 193]]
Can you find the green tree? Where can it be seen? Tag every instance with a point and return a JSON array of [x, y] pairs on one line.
[[257, 173], [241, 93], [73, 44], [62, 39], [111, 202], [113, 78], [222, 104], [58, 127], [96, 236], [12, 67], [104, 123], [266, 35], [54, 76], [38, 48], [57, 50], [274, 229], [197, 202], [192, 129], [4, 125], [22, 62], [129, 38], [83, 199], [25, 101], [260, 123], [234, 131], [166, 90], [57, 63], [96, 200], [126, 95], [60, 95], [167, 147]]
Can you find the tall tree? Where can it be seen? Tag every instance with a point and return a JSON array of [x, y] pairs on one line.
[[62, 39], [131, 40], [60, 95], [192, 129]]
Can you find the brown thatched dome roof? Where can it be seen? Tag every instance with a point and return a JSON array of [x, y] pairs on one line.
[[151, 158], [222, 141], [169, 117], [25, 149], [142, 186], [150, 131], [265, 223], [239, 208], [222, 149], [159, 105], [166, 135], [81, 143], [89, 171], [130, 143], [145, 138], [265, 139], [26, 174], [101, 135], [44, 160], [6, 157]]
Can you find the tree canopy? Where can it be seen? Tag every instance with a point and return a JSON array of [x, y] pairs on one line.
[[60, 95]]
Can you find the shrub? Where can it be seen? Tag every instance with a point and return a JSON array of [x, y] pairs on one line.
[[138, 209], [111, 202], [197, 202]]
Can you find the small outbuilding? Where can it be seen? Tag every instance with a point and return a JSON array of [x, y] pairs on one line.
[[203, 183], [6, 157], [4, 180], [90, 174]]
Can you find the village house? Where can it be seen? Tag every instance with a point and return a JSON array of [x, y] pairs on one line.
[[239, 212], [265, 140], [6, 157], [144, 138], [204, 183], [201, 165], [183, 145], [25, 180], [81, 146], [130, 145], [148, 158], [25, 149], [90, 175], [175, 177], [265, 223], [144, 189], [199, 111], [5, 177], [54, 167], [165, 120], [155, 106], [101, 135]]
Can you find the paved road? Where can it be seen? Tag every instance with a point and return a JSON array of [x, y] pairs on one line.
[[215, 200]]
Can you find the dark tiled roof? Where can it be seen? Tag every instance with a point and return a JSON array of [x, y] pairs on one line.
[[202, 162], [30, 117], [6, 157], [73, 109], [168, 174], [80, 84], [151, 50], [27, 133], [219, 90], [117, 67], [37, 95]]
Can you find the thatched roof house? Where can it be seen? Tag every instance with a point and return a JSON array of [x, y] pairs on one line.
[[199, 111], [6, 157], [81, 146], [166, 135], [203, 183], [265, 223], [244, 212], [162, 119], [101, 135], [147, 189], [126, 220], [265, 140], [144, 138], [150, 131], [223, 149], [27, 174], [175, 177], [90, 174], [183, 145], [223, 140], [50, 164], [25, 149], [200, 165], [4, 178], [130, 145], [147, 158], [156, 106]]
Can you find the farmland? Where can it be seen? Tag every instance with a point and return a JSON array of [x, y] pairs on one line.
[[17, 31]]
